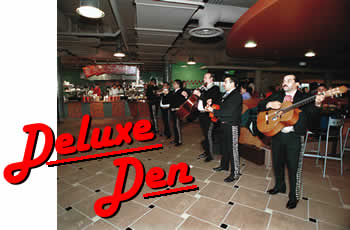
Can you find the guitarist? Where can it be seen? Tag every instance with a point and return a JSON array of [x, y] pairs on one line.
[[207, 91], [230, 117], [174, 100], [286, 145]]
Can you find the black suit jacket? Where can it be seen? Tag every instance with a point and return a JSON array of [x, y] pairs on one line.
[[230, 108], [175, 99], [308, 111], [211, 93]]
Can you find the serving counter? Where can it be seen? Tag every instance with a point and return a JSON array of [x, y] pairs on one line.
[[122, 110]]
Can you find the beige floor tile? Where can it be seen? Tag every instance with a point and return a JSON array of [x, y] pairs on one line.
[[127, 214], [78, 176], [60, 211], [157, 219], [219, 177], [255, 183], [73, 195], [206, 165], [61, 186], [176, 203], [315, 179], [251, 198], [139, 198], [72, 220], [326, 226], [256, 171], [100, 225], [200, 184], [64, 170], [340, 182], [278, 203], [321, 194], [187, 159], [200, 174], [280, 221], [210, 210], [98, 181], [218, 192], [247, 218], [329, 214], [195, 224], [86, 205]]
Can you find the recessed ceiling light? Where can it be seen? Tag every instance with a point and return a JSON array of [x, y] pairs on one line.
[[302, 63], [250, 44], [90, 9], [310, 54]]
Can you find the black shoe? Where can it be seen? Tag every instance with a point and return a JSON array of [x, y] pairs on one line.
[[218, 169], [292, 204], [275, 190], [178, 144], [203, 155], [208, 159], [231, 178]]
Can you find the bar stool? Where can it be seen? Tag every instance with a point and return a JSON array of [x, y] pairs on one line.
[[345, 142], [334, 124]]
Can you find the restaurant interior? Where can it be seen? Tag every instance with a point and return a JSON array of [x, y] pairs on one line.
[[108, 51]]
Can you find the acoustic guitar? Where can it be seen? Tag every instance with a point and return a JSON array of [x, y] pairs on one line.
[[272, 121]]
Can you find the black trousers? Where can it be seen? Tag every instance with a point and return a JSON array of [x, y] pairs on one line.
[[204, 122], [166, 121], [286, 151], [229, 148], [153, 111], [176, 127]]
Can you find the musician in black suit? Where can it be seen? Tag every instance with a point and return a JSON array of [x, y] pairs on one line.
[[153, 103], [230, 119], [286, 145], [174, 100], [165, 109], [207, 91]]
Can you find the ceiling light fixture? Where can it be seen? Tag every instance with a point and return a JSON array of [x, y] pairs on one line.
[[302, 63], [90, 9], [119, 53], [310, 53], [191, 61], [250, 44]]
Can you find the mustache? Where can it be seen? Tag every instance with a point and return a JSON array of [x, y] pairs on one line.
[[284, 85]]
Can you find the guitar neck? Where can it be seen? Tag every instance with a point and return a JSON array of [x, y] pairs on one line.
[[299, 103]]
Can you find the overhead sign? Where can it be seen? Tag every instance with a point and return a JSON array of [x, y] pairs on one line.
[[96, 70]]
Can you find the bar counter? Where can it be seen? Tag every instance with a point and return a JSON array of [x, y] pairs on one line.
[[122, 110]]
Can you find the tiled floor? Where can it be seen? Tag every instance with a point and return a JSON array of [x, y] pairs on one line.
[[243, 204]]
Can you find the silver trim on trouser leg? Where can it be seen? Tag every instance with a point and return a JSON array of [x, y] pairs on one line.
[[235, 135], [179, 129], [299, 184], [154, 112], [210, 139]]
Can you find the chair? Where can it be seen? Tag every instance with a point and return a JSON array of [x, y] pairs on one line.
[[345, 142], [334, 130]]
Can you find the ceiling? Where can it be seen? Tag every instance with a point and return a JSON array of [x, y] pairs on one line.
[[154, 33]]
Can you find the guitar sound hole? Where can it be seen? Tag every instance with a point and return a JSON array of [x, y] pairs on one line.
[[274, 118]]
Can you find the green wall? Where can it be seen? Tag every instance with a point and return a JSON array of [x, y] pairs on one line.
[[185, 72], [147, 76]]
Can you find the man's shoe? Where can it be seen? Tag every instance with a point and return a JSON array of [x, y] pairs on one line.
[[292, 204], [275, 190], [218, 169], [178, 144], [203, 155], [231, 178], [208, 159]]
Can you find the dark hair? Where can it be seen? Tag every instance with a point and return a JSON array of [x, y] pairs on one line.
[[322, 84], [212, 76], [153, 80], [179, 82], [296, 79], [165, 82]]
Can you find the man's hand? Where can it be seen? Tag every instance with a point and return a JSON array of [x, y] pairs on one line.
[[165, 91], [319, 99], [209, 108], [209, 101], [273, 105], [184, 93], [197, 92]]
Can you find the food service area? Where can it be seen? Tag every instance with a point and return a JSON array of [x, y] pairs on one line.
[[251, 94]]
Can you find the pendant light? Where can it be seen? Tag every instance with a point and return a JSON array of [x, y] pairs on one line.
[[310, 53], [191, 61], [119, 52], [90, 9], [250, 44]]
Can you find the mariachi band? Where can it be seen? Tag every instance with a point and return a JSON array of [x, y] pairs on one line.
[[223, 114]]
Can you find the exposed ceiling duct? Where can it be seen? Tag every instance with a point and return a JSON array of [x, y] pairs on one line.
[[210, 15]]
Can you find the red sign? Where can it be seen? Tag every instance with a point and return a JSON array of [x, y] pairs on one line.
[[92, 70]]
